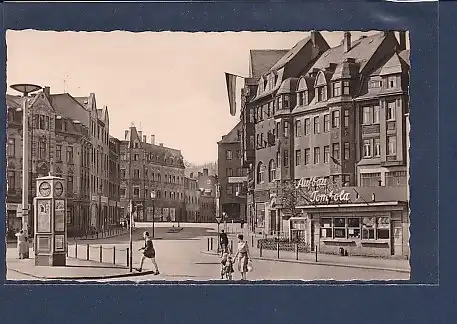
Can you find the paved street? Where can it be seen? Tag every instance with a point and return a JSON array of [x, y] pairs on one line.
[[183, 256]]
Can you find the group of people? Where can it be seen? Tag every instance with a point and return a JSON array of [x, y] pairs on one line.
[[242, 256]]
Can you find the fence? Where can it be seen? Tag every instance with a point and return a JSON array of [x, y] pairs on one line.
[[99, 253], [106, 234], [270, 248]]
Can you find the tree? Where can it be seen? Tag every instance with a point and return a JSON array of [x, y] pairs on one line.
[[290, 197]]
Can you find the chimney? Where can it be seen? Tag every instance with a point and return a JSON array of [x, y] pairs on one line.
[[144, 138], [47, 91], [205, 172], [153, 139], [140, 135], [347, 42], [313, 36], [402, 42], [126, 134]]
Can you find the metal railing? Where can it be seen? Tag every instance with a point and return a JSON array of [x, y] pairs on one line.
[[99, 253], [105, 234]]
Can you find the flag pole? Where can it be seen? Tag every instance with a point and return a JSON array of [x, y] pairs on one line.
[[130, 239]]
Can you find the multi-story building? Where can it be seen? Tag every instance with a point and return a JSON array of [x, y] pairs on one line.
[[207, 185], [232, 176], [145, 167], [191, 194], [114, 181], [62, 138], [325, 129]]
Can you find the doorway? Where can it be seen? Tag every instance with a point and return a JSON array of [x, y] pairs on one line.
[[273, 227], [397, 239]]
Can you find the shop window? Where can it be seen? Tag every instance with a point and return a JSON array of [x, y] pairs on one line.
[[383, 228], [370, 179], [368, 228], [339, 227], [353, 227], [396, 178], [326, 228]]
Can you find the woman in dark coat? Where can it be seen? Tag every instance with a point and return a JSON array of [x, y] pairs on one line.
[[148, 253]]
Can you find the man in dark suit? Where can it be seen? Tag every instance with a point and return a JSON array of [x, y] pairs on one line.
[[223, 240]]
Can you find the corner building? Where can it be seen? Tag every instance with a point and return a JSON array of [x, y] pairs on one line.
[[331, 121]]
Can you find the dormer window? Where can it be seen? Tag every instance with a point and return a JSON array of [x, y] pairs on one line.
[[346, 88], [286, 102], [135, 145], [391, 82], [336, 89], [320, 93]]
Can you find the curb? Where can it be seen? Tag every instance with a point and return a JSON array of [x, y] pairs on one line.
[[123, 275], [333, 264]]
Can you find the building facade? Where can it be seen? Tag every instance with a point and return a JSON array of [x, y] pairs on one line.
[[146, 167], [192, 195], [325, 141], [63, 133], [207, 186], [232, 177], [114, 211]]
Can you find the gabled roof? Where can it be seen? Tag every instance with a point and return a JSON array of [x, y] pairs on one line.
[[232, 136], [261, 61], [291, 54], [289, 85], [392, 66], [361, 51], [405, 56], [13, 102], [66, 105], [83, 101]]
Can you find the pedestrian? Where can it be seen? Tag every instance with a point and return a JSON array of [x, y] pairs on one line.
[[22, 245], [148, 253], [243, 256], [223, 241], [223, 263], [228, 268]]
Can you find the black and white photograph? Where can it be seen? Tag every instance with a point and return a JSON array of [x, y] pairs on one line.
[[207, 156]]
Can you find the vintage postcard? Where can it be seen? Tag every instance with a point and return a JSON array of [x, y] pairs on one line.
[[173, 156]]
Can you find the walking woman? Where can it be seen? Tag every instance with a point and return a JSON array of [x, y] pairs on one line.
[[242, 256], [148, 253], [22, 245]]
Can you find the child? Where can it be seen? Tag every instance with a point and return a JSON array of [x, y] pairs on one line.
[[225, 257], [229, 268]]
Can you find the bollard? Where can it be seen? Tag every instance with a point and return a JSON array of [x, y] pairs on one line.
[[252, 241], [211, 244], [101, 253], [67, 249], [277, 247], [315, 249], [128, 257], [260, 246], [208, 245], [296, 251], [87, 252], [114, 254], [76, 250], [97, 234], [231, 246]]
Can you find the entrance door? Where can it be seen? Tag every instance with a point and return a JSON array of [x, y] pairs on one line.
[[397, 239], [273, 222]]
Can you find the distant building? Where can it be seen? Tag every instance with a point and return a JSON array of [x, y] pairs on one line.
[[232, 176], [145, 166], [191, 194], [207, 185], [114, 214]]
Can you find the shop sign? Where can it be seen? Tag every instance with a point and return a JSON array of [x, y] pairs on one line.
[[321, 191]]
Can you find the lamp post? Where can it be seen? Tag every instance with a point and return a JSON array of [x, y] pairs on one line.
[[153, 197], [25, 89]]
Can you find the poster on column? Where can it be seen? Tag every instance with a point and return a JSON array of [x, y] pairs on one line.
[[59, 215], [44, 216]]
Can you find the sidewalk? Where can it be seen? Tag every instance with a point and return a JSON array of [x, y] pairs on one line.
[[398, 265], [76, 269]]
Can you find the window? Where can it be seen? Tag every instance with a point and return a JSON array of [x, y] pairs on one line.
[[260, 171], [297, 157], [58, 153], [383, 228], [229, 172], [136, 157], [336, 89], [396, 178], [317, 153], [238, 135], [238, 154], [122, 192], [376, 114], [376, 147], [286, 129], [229, 189], [370, 179], [136, 192], [11, 147], [286, 102], [346, 88], [307, 154], [278, 158], [335, 119], [326, 153], [368, 225], [70, 154], [353, 227], [326, 123], [11, 180], [42, 122], [70, 186], [391, 110], [228, 155], [346, 151], [391, 145], [271, 170], [307, 126], [278, 128], [297, 128], [286, 158], [336, 151], [326, 228], [339, 227], [346, 118], [316, 125], [136, 174], [367, 148], [320, 93], [42, 149], [367, 115], [392, 82]]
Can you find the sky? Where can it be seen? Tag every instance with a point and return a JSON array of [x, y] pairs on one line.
[[170, 84]]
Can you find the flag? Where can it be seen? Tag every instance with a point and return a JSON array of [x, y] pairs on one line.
[[230, 80], [335, 161]]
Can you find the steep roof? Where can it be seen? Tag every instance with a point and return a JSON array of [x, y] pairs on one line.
[[13, 102], [289, 85], [68, 106], [361, 51], [291, 54], [261, 61], [83, 101], [232, 136], [405, 56]]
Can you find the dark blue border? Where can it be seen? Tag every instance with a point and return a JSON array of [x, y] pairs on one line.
[[372, 304]]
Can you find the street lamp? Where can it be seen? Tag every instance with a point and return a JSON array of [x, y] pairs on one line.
[[25, 89], [153, 197]]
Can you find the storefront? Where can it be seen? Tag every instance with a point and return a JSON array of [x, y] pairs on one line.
[[14, 222]]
